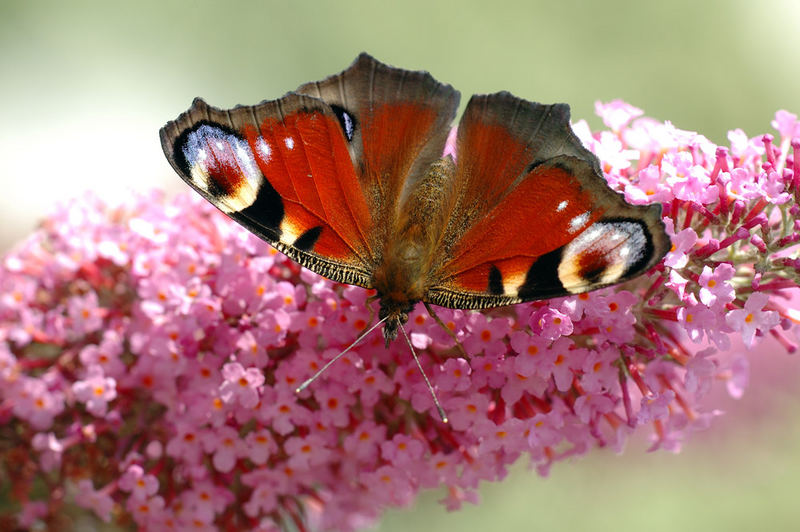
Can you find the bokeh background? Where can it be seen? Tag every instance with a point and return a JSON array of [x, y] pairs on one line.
[[85, 86]]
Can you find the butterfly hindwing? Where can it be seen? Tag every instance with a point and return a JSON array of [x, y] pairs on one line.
[[534, 217]]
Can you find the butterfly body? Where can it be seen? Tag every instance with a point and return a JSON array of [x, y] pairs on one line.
[[347, 176]]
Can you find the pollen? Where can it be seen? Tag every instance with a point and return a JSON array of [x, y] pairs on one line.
[[99, 391], [359, 324], [613, 307], [749, 318], [486, 335], [712, 283], [420, 319], [533, 350]]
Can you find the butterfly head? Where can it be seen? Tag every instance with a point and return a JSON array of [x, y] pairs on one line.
[[396, 314]]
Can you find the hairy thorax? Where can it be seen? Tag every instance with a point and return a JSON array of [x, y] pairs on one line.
[[405, 271]]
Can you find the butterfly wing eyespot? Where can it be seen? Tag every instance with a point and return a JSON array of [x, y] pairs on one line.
[[540, 220]]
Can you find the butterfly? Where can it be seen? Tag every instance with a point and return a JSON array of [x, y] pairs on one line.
[[348, 177]]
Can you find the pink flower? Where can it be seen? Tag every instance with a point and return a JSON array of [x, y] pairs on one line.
[[260, 445], [306, 452], [241, 384], [95, 391], [715, 288], [363, 443], [655, 407], [550, 323], [752, 318], [787, 124], [138, 483], [35, 403], [682, 244], [390, 485], [486, 335], [455, 375], [616, 114], [225, 446]]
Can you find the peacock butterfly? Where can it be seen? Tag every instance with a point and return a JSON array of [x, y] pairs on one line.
[[347, 177]]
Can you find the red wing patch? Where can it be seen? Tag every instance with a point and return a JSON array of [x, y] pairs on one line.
[[543, 213]]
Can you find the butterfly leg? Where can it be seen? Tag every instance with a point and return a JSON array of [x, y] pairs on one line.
[[371, 309], [447, 329]]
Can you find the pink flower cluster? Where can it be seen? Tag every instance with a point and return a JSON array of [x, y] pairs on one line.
[[150, 352]]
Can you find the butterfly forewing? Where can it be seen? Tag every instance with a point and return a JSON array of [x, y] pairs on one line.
[[282, 170]]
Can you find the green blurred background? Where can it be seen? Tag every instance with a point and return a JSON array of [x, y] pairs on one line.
[[84, 88]]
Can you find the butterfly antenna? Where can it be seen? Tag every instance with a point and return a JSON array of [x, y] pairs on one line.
[[337, 357], [428, 382]]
